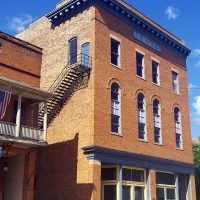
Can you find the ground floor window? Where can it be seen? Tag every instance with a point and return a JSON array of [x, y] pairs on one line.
[[130, 185], [165, 186]]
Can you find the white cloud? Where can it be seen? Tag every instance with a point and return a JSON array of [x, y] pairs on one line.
[[192, 86], [19, 23], [196, 53], [196, 105], [172, 13]]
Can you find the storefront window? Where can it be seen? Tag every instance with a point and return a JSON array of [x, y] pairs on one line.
[[165, 186], [110, 192], [133, 183]]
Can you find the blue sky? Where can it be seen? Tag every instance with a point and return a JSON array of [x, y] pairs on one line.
[[180, 17]]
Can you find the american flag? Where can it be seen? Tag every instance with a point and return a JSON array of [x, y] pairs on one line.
[[4, 101]]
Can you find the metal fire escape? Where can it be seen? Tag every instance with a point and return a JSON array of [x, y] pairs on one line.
[[73, 77]]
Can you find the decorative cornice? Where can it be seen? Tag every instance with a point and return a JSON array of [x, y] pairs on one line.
[[111, 156], [129, 16]]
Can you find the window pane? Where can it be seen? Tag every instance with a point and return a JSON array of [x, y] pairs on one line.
[[160, 193], [110, 192], [157, 135], [115, 52], [133, 175], [170, 194], [178, 140], [141, 101], [139, 193], [141, 130], [114, 59], [165, 178], [85, 52], [155, 72], [175, 81], [126, 174], [115, 123], [108, 174], [115, 91], [73, 51], [126, 192], [114, 46], [139, 64], [138, 175]]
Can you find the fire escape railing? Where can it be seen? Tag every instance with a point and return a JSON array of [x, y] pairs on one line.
[[65, 85]]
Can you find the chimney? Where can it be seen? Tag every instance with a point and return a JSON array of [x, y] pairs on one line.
[[63, 2]]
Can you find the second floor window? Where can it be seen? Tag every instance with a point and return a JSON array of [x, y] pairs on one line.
[[140, 64], [155, 73], [85, 53], [157, 122], [175, 82], [72, 51], [115, 52], [178, 131], [141, 117], [115, 109]]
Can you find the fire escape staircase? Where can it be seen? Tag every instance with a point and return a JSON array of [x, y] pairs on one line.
[[71, 78]]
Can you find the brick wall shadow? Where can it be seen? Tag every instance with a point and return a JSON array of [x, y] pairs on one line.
[[56, 173]]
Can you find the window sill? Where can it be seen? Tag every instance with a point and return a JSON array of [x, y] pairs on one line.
[[159, 144], [158, 85], [142, 78], [140, 140], [179, 149], [116, 66], [116, 134], [176, 93]]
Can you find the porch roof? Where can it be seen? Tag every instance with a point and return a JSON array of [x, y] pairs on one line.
[[25, 90]]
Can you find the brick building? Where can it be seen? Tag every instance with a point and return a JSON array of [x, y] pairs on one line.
[[20, 65], [118, 125]]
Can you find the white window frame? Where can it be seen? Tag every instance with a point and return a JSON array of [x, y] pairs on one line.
[[179, 123], [133, 184], [175, 82], [159, 122], [165, 187], [158, 70], [143, 63], [142, 117], [115, 102], [119, 51]]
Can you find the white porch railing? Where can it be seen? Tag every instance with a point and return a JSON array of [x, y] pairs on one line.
[[9, 129], [31, 133]]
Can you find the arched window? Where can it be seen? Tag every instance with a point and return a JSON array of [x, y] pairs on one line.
[[141, 117], [72, 51], [85, 53], [157, 122], [178, 132], [115, 110]]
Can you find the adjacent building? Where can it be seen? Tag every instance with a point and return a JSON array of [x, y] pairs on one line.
[[118, 123], [20, 135]]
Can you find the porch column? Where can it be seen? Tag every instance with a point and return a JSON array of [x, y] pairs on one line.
[[45, 122], [189, 188], [120, 183], [18, 116], [177, 186]]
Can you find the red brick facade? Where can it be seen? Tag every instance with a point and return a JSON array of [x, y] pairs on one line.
[[62, 171]]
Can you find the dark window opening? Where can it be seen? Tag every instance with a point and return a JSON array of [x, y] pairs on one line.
[[72, 51], [155, 75], [115, 52], [165, 178], [108, 174], [139, 64]]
